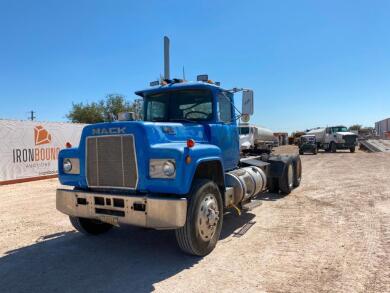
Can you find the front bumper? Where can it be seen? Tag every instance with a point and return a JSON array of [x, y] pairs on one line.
[[150, 212], [346, 145], [307, 147]]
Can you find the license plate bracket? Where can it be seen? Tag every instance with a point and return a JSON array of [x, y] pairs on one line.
[[109, 220]]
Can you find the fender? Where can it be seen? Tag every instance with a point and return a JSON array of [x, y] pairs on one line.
[[277, 164], [218, 160], [201, 153]]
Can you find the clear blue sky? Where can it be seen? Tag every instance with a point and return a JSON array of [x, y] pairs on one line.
[[311, 63]]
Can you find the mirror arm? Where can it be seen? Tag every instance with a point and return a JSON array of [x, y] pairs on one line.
[[236, 90]]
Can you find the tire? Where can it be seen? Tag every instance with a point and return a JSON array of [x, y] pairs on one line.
[[286, 181], [297, 164], [273, 185], [333, 147], [352, 149], [300, 152], [195, 237], [89, 226]]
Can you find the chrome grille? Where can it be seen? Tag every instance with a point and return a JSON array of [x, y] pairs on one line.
[[111, 161], [349, 139]]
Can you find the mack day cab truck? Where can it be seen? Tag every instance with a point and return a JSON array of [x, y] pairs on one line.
[[180, 168], [335, 138]]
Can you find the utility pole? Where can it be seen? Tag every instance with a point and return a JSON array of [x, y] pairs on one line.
[[32, 117]]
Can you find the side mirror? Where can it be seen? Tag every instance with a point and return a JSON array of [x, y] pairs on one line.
[[247, 102]]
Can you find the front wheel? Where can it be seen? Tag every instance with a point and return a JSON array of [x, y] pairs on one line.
[[89, 226], [203, 225], [333, 147]]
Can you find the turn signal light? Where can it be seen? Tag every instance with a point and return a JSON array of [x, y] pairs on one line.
[[190, 143], [68, 145]]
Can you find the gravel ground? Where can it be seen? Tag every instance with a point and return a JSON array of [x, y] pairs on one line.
[[332, 234]]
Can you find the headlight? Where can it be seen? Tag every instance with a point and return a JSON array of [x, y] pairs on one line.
[[67, 165], [169, 168], [162, 168], [71, 166]]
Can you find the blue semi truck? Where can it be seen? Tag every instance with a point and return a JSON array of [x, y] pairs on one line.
[[179, 168]]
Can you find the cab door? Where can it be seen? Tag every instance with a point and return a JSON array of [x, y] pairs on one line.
[[224, 133]]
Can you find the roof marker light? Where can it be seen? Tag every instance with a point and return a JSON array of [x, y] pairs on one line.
[[202, 77]]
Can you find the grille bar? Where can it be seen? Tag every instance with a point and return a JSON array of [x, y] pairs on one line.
[[111, 162], [349, 139]]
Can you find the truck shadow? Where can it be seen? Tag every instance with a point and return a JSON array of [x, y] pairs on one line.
[[123, 260], [320, 152], [268, 196]]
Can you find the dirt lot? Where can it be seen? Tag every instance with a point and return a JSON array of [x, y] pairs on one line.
[[332, 234]]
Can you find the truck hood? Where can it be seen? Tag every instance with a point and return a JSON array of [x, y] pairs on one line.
[[154, 132]]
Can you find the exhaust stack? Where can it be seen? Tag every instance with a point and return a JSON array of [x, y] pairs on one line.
[[166, 58]]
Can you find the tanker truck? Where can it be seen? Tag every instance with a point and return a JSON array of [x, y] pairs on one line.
[[255, 139], [334, 138]]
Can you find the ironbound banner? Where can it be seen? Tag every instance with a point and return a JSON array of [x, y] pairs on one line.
[[29, 149]]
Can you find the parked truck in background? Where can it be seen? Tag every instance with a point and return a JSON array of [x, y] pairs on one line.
[[307, 144], [335, 138], [255, 139]]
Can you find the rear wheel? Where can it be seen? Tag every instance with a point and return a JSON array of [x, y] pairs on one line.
[[203, 225], [286, 181], [89, 226], [352, 149], [297, 164], [315, 151], [273, 185]]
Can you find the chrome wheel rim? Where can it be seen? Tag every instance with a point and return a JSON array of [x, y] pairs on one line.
[[208, 217], [290, 175]]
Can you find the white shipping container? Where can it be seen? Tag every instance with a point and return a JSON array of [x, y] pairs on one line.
[[382, 126]]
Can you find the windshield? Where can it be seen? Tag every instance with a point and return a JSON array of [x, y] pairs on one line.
[[308, 139], [339, 129], [243, 130], [185, 105]]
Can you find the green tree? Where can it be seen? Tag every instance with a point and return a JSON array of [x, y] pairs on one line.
[[355, 127], [104, 110]]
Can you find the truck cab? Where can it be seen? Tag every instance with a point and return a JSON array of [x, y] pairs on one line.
[[338, 137], [179, 168]]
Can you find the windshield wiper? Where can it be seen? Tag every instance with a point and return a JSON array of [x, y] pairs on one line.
[[182, 120]]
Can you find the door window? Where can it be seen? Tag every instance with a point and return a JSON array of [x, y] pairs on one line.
[[224, 107]]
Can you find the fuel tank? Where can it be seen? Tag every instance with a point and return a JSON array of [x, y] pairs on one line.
[[246, 183]]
